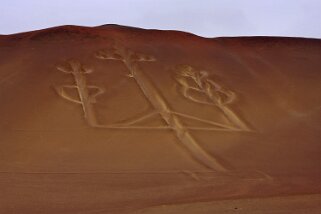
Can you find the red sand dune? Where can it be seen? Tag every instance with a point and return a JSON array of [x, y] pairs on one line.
[[116, 119]]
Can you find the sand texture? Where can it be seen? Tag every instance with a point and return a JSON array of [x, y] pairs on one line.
[[115, 119]]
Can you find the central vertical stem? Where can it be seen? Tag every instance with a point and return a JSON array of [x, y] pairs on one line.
[[159, 103], [84, 96]]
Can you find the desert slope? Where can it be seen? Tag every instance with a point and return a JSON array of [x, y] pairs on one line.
[[115, 119]]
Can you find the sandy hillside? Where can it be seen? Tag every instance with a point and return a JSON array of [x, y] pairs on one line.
[[116, 119]]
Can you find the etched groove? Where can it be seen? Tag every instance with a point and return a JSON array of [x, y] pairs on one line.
[[85, 99], [140, 118], [211, 93], [152, 94], [223, 126]]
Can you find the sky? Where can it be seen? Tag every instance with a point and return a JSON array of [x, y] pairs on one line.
[[207, 18]]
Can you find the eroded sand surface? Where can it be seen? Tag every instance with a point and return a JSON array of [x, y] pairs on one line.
[[120, 120]]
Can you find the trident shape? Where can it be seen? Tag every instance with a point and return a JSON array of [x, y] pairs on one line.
[[86, 99], [130, 60]]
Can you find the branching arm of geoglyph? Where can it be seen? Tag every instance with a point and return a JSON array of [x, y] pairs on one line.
[[78, 71], [210, 93]]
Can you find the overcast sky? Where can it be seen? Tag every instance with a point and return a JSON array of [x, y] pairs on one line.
[[208, 18]]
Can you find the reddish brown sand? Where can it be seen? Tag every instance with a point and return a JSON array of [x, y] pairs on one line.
[[115, 119]]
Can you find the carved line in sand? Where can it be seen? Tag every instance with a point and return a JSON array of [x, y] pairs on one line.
[[209, 93], [84, 97], [130, 60], [172, 119]]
